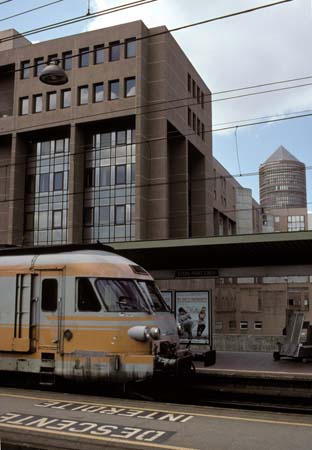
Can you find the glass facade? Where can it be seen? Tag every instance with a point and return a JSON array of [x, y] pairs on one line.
[[46, 200], [109, 194]]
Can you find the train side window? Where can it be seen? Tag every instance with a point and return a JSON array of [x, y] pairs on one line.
[[87, 299], [49, 295]]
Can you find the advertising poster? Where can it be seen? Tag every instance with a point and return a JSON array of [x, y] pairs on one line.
[[192, 313], [168, 297]]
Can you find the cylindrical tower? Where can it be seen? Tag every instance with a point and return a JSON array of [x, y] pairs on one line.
[[282, 181]]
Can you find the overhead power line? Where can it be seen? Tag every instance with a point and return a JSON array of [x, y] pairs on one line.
[[30, 10], [172, 30], [79, 19], [6, 1]]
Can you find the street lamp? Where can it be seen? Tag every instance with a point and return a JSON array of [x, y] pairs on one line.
[[53, 74]]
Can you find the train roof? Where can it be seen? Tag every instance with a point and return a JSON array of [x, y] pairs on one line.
[[84, 260]]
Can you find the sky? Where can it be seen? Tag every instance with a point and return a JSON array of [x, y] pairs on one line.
[[266, 46]]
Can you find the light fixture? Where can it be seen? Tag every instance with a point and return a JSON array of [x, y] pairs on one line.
[[53, 74]]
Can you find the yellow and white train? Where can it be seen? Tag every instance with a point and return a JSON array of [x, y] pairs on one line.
[[83, 314]]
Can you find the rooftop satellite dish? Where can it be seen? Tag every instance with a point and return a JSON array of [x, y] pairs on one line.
[[53, 74]]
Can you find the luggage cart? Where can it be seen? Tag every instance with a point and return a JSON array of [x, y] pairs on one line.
[[298, 339]]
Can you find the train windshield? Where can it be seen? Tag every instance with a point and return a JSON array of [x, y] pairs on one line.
[[154, 296], [121, 295]]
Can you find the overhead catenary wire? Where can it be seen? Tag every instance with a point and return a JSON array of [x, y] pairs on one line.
[[30, 10], [160, 33], [5, 1]]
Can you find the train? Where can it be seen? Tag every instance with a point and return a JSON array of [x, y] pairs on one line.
[[84, 313]]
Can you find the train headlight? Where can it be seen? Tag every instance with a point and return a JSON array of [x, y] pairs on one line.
[[154, 333], [139, 333]]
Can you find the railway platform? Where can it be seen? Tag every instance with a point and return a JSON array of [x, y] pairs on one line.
[[50, 421], [257, 365]]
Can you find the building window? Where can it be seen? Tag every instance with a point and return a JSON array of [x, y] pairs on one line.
[[194, 122], [189, 83], [98, 92], [114, 51], [202, 100], [114, 90], [57, 219], [84, 57], [24, 106], [194, 89], [52, 58], [120, 214], [198, 127], [198, 95], [37, 104], [130, 89], [67, 60], [244, 325], [130, 48], [58, 181], [189, 117], [25, 70], [104, 215], [120, 175], [219, 325], [39, 65], [258, 324], [44, 182], [66, 98], [83, 95], [203, 132], [88, 217], [89, 177], [51, 101], [295, 223], [232, 324], [105, 176], [98, 54]]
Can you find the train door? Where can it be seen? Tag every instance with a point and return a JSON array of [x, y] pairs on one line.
[[50, 311]]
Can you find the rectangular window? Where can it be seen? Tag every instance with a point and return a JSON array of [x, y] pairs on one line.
[[52, 57], [98, 92], [219, 325], [258, 325], [57, 219], [43, 220], [65, 98], [67, 60], [130, 88], [130, 48], [88, 217], [58, 181], [59, 145], [104, 215], [105, 176], [120, 174], [51, 101], [83, 95], [39, 65], [25, 70], [232, 324], [189, 117], [120, 214], [202, 100], [45, 148], [114, 90], [121, 138], [44, 182], [37, 104], [198, 127], [194, 89], [89, 177], [24, 106], [244, 325], [99, 54], [84, 57], [194, 122], [203, 132], [49, 295], [198, 95], [189, 82], [87, 299], [114, 51]]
